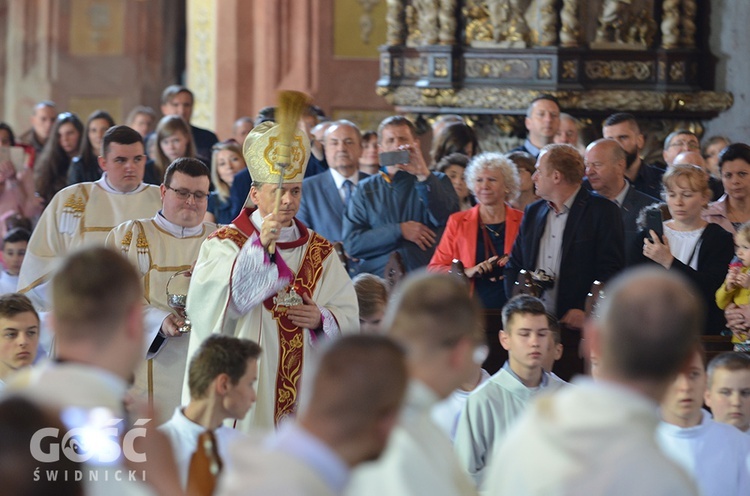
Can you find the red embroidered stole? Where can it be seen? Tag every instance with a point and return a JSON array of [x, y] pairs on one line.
[[291, 337]]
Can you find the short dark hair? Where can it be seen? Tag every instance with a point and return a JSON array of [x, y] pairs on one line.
[[546, 96], [619, 118], [190, 166], [522, 304], [17, 234], [396, 120], [173, 90], [4, 126], [522, 160], [217, 355], [122, 135], [458, 159], [735, 151], [264, 115], [11, 304]]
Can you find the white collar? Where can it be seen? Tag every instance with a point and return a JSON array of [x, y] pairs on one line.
[[338, 179], [174, 229], [620, 198], [287, 235], [295, 441], [102, 181]]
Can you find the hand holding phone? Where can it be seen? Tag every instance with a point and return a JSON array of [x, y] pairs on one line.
[[394, 158], [655, 222]]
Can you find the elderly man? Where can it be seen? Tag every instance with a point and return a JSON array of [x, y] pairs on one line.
[[681, 140], [402, 209], [178, 100], [598, 438], [624, 129], [159, 247], [542, 122], [83, 214], [605, 170], [327, 195], [267, 278], [42, 118], [574, 236]]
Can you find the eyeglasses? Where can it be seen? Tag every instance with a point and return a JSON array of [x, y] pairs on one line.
[[184, 194], [690, 145]]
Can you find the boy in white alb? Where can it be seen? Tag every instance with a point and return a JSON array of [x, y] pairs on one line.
[[728, 392], [494, 407], [14, 249], [221, 378], [715, 454]]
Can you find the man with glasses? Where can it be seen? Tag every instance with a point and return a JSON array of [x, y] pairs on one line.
[[159, 247], [83, 214], [681, 140]]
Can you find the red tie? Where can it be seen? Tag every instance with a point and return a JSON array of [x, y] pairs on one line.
[[205, 466]]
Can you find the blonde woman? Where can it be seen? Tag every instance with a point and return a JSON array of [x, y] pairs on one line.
[[226, 161]]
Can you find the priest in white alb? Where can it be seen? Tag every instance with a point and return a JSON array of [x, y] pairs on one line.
[[83, 214], [163, 248], [268, 278]]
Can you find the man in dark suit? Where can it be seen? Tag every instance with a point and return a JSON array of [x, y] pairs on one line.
[[573, 235], [327, 194], [605, 169], [542, 123]]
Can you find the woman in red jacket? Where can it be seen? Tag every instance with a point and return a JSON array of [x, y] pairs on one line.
[[482, 236]]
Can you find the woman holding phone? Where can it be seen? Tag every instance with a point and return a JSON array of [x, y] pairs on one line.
[[690, 245]]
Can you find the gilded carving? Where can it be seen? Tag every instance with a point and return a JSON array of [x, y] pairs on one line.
[[618, 70], [447, 18], [496, 23], [689, 10], [366, 22], [518, 100], [677, 71], [569, 69], [498, 69], [425, 12], [412, 67], [544, 69], [570, 32], [441, 67], [547, 23], [396, 22], [398, 67], [431, 21], [670, 24]]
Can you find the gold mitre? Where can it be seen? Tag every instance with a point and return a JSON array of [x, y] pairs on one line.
[[261, 151]]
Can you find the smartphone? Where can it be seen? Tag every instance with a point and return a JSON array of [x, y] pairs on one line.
[[15, 155], [654, 222], [394, 158]]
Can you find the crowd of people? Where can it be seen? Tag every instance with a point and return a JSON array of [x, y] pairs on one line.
[[369, 318]]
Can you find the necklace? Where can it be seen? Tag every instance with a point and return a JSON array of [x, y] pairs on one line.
[[494, 233]]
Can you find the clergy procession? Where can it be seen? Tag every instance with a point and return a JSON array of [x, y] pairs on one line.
[[298, 311]]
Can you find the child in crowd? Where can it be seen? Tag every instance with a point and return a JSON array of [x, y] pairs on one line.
[[714, 454], [728, 392], [14, 249], [372, 297], [495, 406], [19, 334], [736, 287]]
